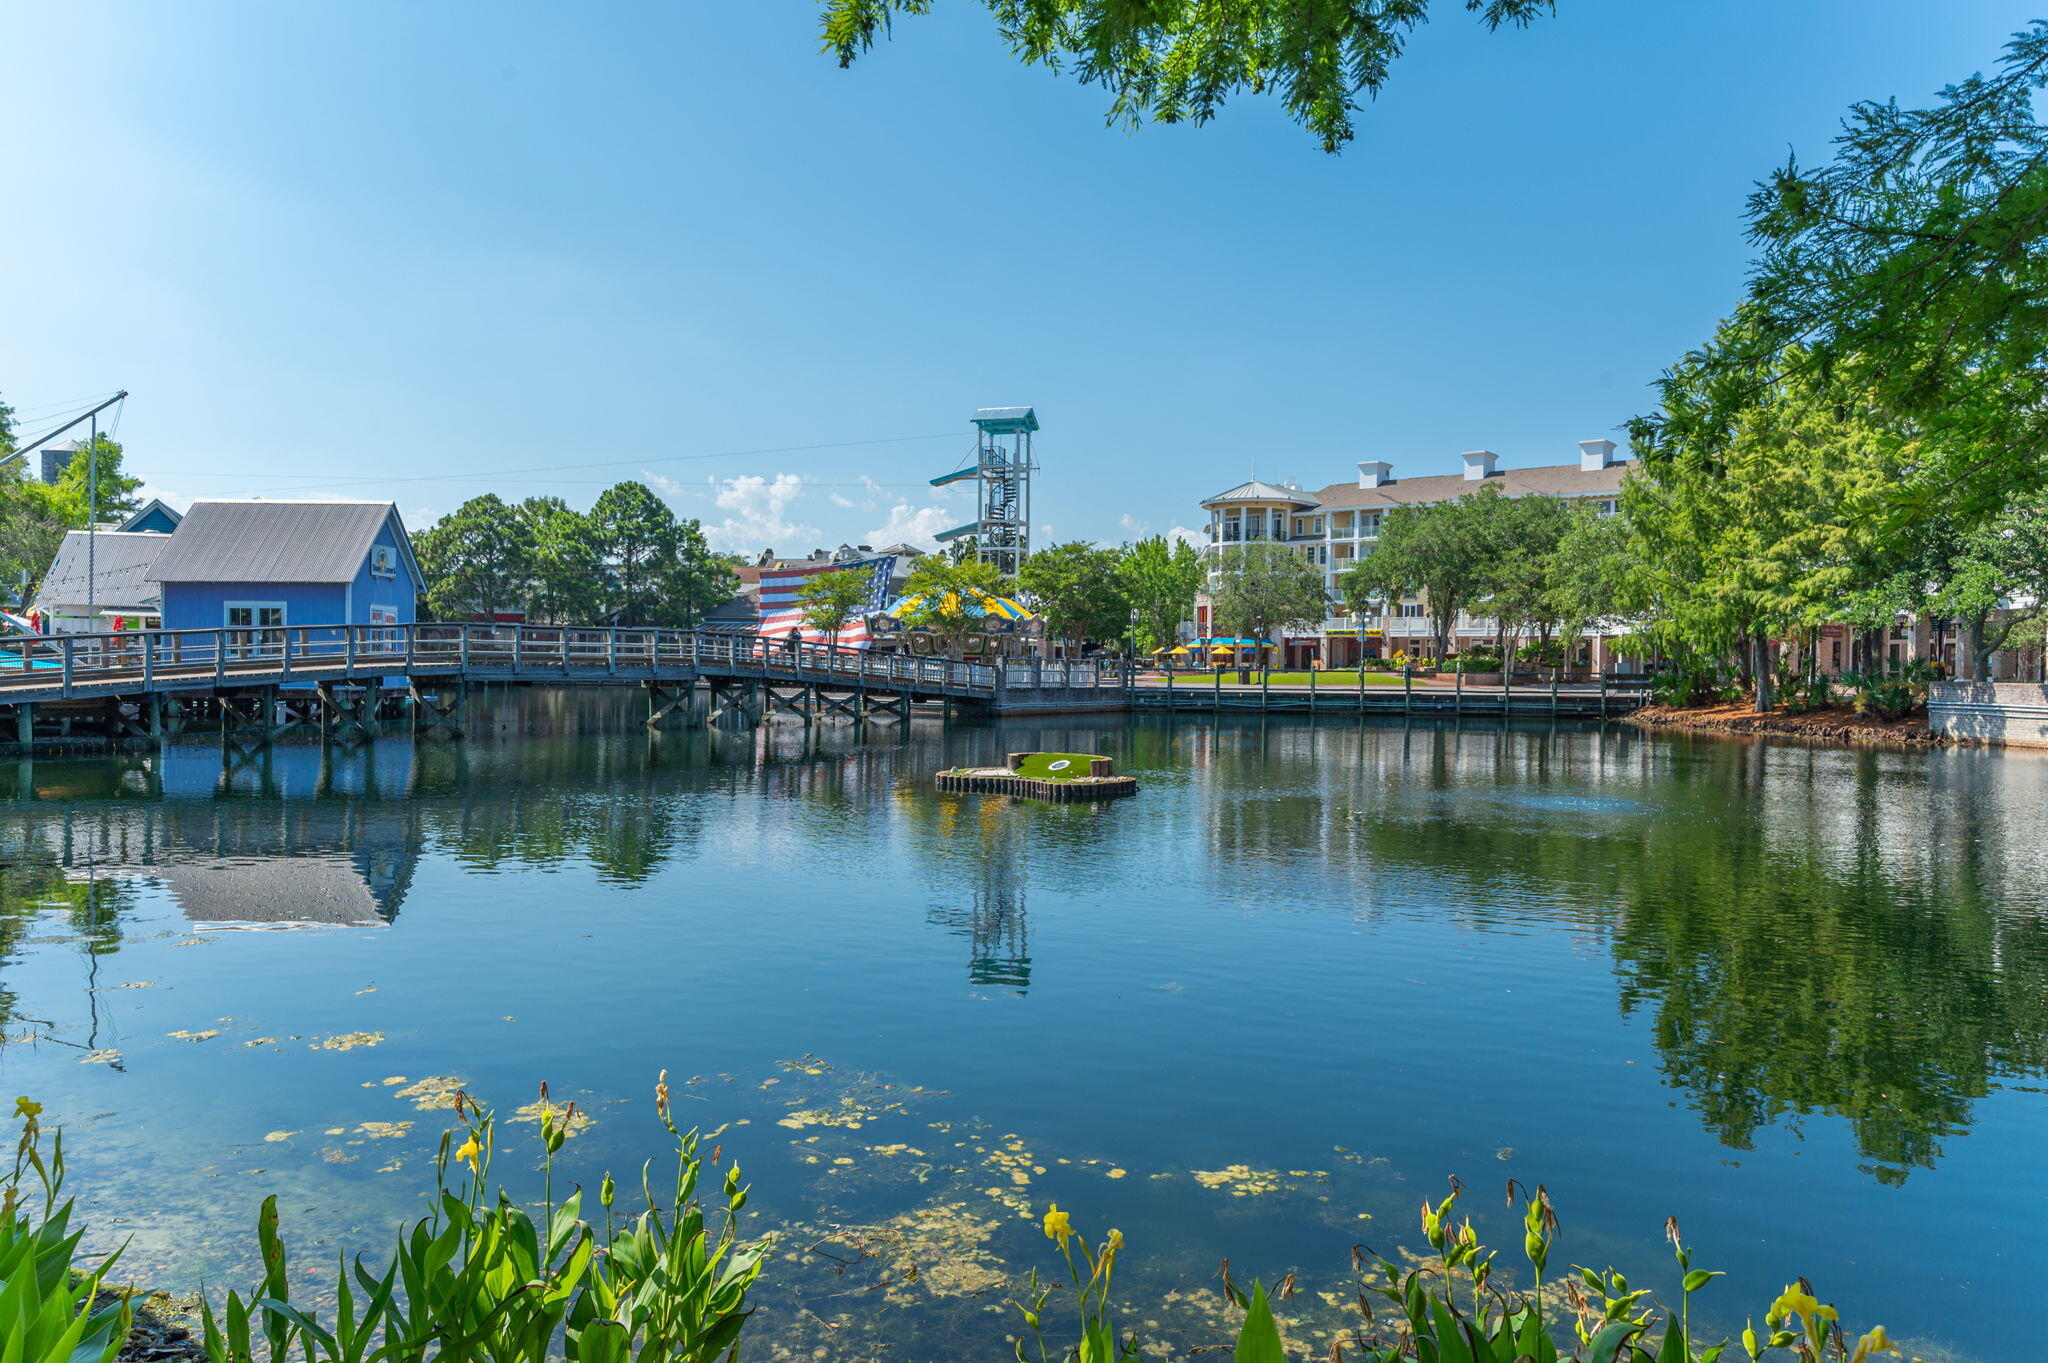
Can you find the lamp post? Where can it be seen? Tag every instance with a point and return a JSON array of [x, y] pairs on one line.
[[1131, 660]]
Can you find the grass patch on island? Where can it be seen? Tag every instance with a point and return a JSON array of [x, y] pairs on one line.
[[1056, 766]]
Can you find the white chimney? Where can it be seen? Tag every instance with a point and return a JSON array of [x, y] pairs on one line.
[[1375, 473], [1478, 464], [1595, 455]]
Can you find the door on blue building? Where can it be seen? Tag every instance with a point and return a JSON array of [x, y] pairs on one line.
[[255, 630]]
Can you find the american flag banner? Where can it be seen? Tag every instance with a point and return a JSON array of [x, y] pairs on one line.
[[781, 588]]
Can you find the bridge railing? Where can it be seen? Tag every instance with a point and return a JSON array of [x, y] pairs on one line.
[[281, 653]]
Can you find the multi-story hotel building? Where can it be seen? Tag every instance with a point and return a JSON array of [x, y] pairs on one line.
[[1335, 526]]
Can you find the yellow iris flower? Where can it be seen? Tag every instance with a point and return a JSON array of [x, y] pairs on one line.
[[471, 1153], [1058, 1226], [27, 1107], [1803, 1304], [1876, 1342]]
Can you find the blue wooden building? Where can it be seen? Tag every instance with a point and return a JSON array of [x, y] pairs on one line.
[[266, 565], [153, 517]]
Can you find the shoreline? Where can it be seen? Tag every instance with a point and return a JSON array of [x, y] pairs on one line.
[[1834, 725]]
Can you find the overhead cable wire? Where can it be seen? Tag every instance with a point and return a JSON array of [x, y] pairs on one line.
[[612, 463]]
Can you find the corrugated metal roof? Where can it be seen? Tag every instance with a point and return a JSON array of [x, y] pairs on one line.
[[121, 563], [155, 506], [1003, 420], [259, 541]]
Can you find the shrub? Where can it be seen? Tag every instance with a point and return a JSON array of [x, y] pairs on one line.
[[1888, 696], [1454, 1310], [481, 1280], [48, 1302]]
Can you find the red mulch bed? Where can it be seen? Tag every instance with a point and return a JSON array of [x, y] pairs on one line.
[[1833, 724]]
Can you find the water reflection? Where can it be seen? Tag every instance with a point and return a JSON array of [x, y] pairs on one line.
[[1803, 931]]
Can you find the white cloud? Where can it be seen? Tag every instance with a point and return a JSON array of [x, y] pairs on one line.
[[837, 500], [667, 487], [1134, 527], [759, 514], [176, 501], [917, 526], [1187, 536]]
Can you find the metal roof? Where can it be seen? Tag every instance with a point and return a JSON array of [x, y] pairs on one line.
[[1006, 420], [1256, 491], [121, 563], [152, 506], [260, 541]]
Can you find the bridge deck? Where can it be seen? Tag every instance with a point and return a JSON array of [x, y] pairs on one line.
[[144, 662], [136, 664]]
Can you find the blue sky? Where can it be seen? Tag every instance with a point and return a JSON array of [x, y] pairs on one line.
[[378, 249]]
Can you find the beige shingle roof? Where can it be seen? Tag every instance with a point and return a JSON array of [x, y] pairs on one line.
[[1550, 480]]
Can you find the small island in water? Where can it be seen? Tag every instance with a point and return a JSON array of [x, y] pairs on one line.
[[1062, 777]]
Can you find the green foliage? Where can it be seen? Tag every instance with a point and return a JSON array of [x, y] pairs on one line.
[[1760, 520], [474, 560], [1683, 686], [1088, 1275], [48, 1299], [35, 515], [832, 601], [481, 1280], [1265, 588], [636, 536], [629, 560], [1443, 550], [1887, 696], [74, 491], [1161, 578], [946, 594], [1453, 1310], [563, 581], [1592, 569], [1520, 564], [1989, 578], [1079, 591], [1912, 267], [1180, 62]]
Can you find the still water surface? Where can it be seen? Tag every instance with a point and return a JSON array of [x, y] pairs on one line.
[[1797, 997]]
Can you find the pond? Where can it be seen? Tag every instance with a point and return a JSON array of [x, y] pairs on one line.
[[1796, 997]]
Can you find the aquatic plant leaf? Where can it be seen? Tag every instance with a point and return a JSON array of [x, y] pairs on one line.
[[1258, 1341], [1610, 1340]]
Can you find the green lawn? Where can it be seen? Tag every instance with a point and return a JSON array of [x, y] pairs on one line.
[[1334, 680], [1056, 766]]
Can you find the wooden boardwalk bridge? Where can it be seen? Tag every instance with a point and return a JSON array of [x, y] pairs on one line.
[[257, 684]]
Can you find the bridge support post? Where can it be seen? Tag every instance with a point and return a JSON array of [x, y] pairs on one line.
[[732, 696], [891, 705], [668, 698], [247, 723], [119, 725], [438, 709], [344, 712], [801, 702], [848, 704], [25, 724]]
